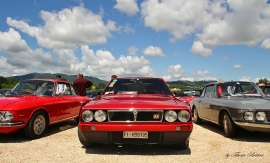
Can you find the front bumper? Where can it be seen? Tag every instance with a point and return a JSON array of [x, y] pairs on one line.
[[169, 133], [9, 127], [260, 127]]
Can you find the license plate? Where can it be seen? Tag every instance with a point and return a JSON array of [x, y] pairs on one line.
[[134, 134]]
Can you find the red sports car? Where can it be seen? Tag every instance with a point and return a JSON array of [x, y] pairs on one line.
[[36, 103], [136, 110], [188, 95]]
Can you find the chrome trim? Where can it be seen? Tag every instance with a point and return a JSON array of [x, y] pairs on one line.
[[135, 114], [261, 125], [11, 124], [69, 118]]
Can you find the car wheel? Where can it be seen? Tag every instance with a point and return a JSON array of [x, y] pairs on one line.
[[196, 116], [228, 125], [83, 141], [183, 146], [37, 125], [77, 120]]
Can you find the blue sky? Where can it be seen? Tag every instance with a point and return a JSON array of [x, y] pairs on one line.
[[172, 39]]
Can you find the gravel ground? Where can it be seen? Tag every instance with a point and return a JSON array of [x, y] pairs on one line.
[[207, 144]]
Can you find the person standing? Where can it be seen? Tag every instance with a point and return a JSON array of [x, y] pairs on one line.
[[81, 84], [113, 76], [60, 88], [58, 77]]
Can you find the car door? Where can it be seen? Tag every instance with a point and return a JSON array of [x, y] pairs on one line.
[[68, 105], [205, 110], [218, 103]]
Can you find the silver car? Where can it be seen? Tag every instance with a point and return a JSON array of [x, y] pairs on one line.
[[233, 104]]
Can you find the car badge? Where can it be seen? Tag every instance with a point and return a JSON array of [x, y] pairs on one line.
[[156, 116], [135, 115]]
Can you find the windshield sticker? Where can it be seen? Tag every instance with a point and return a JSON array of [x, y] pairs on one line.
[[112, 84]]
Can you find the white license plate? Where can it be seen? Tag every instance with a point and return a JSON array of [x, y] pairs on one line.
[[135, 134]]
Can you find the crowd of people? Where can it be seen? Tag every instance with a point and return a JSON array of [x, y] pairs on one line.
[[80, 84]]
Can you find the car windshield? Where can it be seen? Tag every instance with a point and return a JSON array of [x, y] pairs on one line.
[[38, 87], [137, 86], [239, 89], [191, 92]]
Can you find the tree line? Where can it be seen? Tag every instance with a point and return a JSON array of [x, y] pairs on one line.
[[11, 83]]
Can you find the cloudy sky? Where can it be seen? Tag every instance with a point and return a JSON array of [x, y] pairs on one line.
[[173, 39]]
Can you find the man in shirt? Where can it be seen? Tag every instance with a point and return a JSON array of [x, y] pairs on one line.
[[81, 84], [61, 88]]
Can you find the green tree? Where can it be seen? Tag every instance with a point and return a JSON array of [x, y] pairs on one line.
[[264, 81]]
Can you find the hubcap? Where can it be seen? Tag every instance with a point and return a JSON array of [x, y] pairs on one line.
[[39, 125], [225, 124], [195, 114]]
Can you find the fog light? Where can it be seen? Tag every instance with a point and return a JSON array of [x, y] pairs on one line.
[[177, 128], [93, 128]]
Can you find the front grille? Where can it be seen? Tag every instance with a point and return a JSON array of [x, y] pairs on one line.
[[267, 115], [135, 115]]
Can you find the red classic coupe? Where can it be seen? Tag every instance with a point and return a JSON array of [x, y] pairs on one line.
[[34, 104], [135, 110], [188, 95]]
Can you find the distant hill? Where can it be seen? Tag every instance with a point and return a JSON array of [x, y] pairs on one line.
[[70, 78], [96, 81], [189, 84]]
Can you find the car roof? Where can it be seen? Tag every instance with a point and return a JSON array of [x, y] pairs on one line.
[[52, 80], [137, 77], [229, 82]]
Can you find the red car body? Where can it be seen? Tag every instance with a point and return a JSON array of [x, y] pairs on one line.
[[135, 115], [26, 108], [188, 95]]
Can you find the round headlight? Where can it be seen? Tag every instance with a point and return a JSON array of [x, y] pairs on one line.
[[100, 115], [170, 116], [8, 116], [260, 116], [87, 116], [183, 116], [248, 116]]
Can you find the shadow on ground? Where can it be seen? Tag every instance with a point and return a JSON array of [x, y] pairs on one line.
[[112, 149], [18, 137], [241, 134]]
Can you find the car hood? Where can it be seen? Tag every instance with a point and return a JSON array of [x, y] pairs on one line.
[[256, 103], [137, 101], [4, 101]]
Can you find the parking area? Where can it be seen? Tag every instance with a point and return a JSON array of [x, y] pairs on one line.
[[207, 144]]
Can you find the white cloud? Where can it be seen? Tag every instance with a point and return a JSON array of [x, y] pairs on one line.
[[201, 73], [237, 66], [198, 48], [225, 58], [11, 42], [244, 78], [103, 64], [153, 51], [129, 7], [132, 50], [215, 23], [266, 44], [175, 72], [68, 28], [127, 29]]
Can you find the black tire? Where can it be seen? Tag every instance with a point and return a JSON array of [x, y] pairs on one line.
[[83, 141], [183, 146], [77, 120], [196, 117], [37, 125], [229, 126]]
